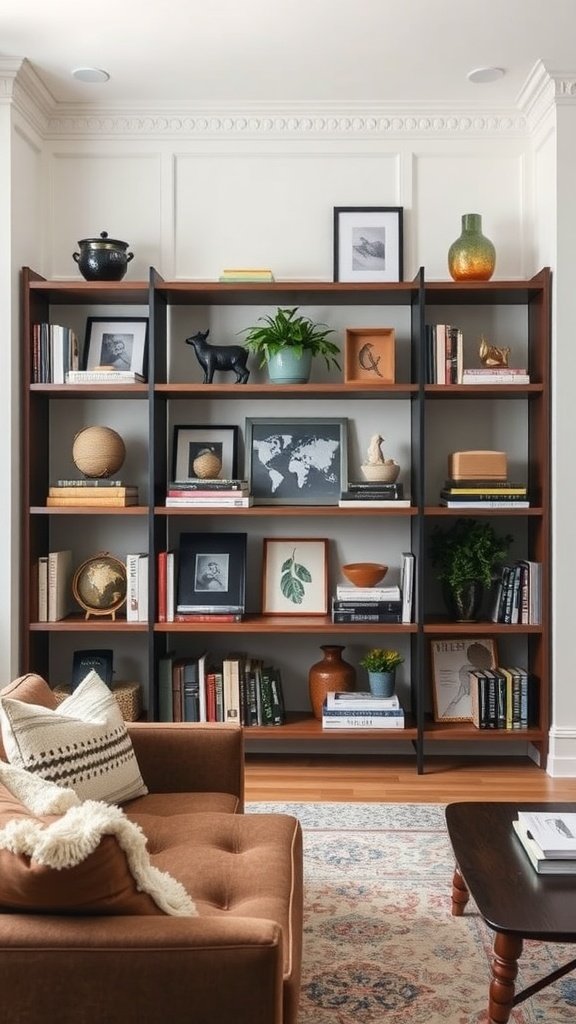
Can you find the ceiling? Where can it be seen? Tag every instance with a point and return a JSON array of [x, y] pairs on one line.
[[241, 52]]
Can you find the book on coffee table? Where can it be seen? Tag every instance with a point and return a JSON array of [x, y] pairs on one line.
[[543, 865], [552, 831]]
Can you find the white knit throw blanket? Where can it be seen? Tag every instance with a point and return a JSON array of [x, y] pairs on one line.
[[69, 840]]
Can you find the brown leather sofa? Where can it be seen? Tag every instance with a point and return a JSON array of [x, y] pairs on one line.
[[237, 962]]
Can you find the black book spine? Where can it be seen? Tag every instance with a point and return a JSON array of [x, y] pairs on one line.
[[352, 617]]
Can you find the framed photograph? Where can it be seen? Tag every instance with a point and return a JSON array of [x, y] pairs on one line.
[[452, 661], [211, 573], [295, 576], [191, 442], [297, 460], [119, 344], [368, 243], [369, 356]]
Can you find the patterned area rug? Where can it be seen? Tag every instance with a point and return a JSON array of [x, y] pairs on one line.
[[380, 944]]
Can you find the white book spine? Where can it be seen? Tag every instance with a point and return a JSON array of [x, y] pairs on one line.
[[59, 572], [170, 586], [132, 589], [363, 722], [43, 588]]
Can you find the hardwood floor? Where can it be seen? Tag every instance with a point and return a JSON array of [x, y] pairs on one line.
[[394, 780]]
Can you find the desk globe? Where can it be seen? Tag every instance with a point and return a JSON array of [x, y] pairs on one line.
[[98, 451], [99, 585]]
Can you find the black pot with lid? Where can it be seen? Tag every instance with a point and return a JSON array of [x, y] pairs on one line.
[[103, 258]]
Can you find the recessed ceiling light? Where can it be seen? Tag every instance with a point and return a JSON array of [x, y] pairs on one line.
[[90, 75], [479, 75]]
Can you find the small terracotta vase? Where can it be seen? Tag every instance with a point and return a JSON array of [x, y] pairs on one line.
[[472, 257], [332, 673]]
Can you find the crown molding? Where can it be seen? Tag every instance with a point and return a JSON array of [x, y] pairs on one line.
[[316, 122], [21, 85], [544, 90]]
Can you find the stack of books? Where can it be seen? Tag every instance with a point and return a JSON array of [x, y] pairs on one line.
[[54, 586], [483, 494], [208, 493], [495, 375], [239, 274], [549, 839], [366, 604], [361, 711], [371, 494], [94, 493], [104, 376], [502, 698]]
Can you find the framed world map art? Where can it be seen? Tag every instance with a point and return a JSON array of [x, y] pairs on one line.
[[297, 460]]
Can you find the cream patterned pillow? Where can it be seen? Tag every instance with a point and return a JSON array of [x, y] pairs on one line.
[[82, 745]]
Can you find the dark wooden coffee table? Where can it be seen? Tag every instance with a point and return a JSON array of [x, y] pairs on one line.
[[515, 901]]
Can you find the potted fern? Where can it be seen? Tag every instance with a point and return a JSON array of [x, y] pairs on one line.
[[287, 342], [466, 557], [381, 664]]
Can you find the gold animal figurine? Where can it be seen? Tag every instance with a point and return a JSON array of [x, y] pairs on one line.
[[491, 355]]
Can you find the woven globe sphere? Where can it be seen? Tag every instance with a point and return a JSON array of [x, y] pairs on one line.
[[207, 465], [98, 451]]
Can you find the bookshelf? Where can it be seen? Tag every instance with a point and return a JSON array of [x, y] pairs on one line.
[[418, 420]]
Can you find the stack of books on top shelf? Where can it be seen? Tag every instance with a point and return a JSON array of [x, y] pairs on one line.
[[366, 604], [483, 494], [236, 688], [105, 375], [361, 711], [503, 698], [517, 594], [549, 839], [239, 274], [495, 375], [444, 354], [208, 493], [97, 493], [371, 494]]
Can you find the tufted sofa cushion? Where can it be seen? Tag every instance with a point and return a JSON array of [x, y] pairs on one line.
[[234, 865]]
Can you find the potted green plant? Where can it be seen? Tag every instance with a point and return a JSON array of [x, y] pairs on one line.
[[381, 664], [287, 342], [466, 557]]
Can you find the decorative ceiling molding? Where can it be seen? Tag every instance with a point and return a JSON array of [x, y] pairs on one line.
[[20, 84]]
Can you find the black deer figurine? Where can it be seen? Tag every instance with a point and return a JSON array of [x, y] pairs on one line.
[[219, 357]]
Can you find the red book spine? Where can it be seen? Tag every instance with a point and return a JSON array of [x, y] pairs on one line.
[[162, 586], [211, 714]]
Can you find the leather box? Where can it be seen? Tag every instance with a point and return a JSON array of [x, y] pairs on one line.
[[478, 465]]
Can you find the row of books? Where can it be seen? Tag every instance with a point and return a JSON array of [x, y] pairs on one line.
[[237, 689], [444, 352], [240, 274], [549, 839], [503, 698], [483, 494], [54, 353], [518, 594], [361, 710], [367, 493]]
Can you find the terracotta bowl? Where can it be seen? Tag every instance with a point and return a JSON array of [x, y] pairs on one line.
[[364, 574]]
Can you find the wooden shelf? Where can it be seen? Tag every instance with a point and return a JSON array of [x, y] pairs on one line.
[[89, 510], [336, 390], [449, 731], [281, 511], [313, 624], [300, 725], [78, 624]]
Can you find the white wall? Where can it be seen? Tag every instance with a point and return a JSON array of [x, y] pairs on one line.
[[192, 195]]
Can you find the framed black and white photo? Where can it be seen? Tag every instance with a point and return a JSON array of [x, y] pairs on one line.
[[452, 660], [296, 460], [211, 573], [191, 442], [295, 576], [368, 243], [119, 344]]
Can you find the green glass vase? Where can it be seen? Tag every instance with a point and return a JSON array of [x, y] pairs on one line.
[[472, 257]]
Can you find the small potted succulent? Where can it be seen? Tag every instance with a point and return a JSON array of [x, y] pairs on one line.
[[381, 664], [287, 342]]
